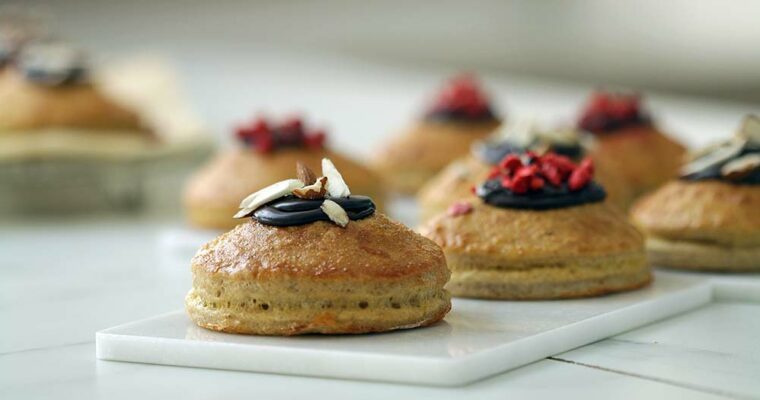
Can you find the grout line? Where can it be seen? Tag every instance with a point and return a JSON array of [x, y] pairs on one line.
[[652, 378], [45, 348]]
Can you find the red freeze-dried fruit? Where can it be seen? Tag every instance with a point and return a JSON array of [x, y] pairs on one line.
[[459, 208], [521, 184], [506, 182], [536, 183], [579, 179], [510, 163], [551, 174]]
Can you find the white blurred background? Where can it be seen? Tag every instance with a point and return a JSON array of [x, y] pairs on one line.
[[364, 69]]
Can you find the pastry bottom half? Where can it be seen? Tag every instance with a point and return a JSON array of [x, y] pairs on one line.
[[705, 256], [547, 280], [293, 307]]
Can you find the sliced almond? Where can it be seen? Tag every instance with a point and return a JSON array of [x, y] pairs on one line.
[[714, 156], [741, 167], [336, 186], [305, 174], [751, 128], [314, 191], [269, 193], [335, 212]]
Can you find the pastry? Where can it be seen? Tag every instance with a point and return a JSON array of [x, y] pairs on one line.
[[458, 179], [313, 258], [52, 107], [628, 142], [539, 230], [268, 152], [460, 115], [709, 219]]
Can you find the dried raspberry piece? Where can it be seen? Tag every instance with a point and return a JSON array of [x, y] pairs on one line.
[[536, 183], [564, 165], [510, 163], [588, 164], [316, 139], [520, 184], [459, 208], [263, 143], [579, 179], [551, 173], [506, 182]]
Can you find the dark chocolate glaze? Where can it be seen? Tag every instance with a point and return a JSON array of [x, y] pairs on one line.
[[492, 152], [67, 77], [549, 197], [291, 210], [713, 172], [453, 115]]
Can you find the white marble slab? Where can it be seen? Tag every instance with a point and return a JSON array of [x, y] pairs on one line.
[[712, 349], [477, 339]]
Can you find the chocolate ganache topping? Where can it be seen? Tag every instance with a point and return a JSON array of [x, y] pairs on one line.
[[291, 210], [51, 63], [307, 199], [461, 100], [543, 182], [736, 160], [521, 137], [607, 112]]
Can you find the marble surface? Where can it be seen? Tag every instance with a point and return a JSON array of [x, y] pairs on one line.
[[477, 339]]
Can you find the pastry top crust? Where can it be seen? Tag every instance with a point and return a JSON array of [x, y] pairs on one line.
[[234, 174], [640, 155], [430, 145], [707, 210], [517, 236], [368, 249], [453, 182], [29, 106]]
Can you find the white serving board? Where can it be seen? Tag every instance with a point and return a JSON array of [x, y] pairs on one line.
[[477, 339]]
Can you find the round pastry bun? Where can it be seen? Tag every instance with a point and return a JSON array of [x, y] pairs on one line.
[[410, 159], [213, 194], [510, 254], [710, 225], [28, 106], [455, 182], [640, 157], [374, 275]]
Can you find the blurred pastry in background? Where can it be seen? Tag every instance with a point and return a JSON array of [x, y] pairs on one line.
[[267, 153], [709, 219], [539, 229], [460, 114], [628, 142], [316, 258], [457, 181], [51, 105]]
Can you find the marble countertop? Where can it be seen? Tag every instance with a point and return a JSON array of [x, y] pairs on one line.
[[63, 279]]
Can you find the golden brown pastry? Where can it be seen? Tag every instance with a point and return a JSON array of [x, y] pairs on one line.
[[333, 266], [459, 178], [212, 195], [710, 218], [628, 145], [539, 230], [460, 116]]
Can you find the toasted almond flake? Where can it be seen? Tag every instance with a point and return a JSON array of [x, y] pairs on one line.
[[269, 193], [714, 155], [751, 128], [244, 212], [315, 191], [741, 167], [335, 212], [336, 186], [305, 174]]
